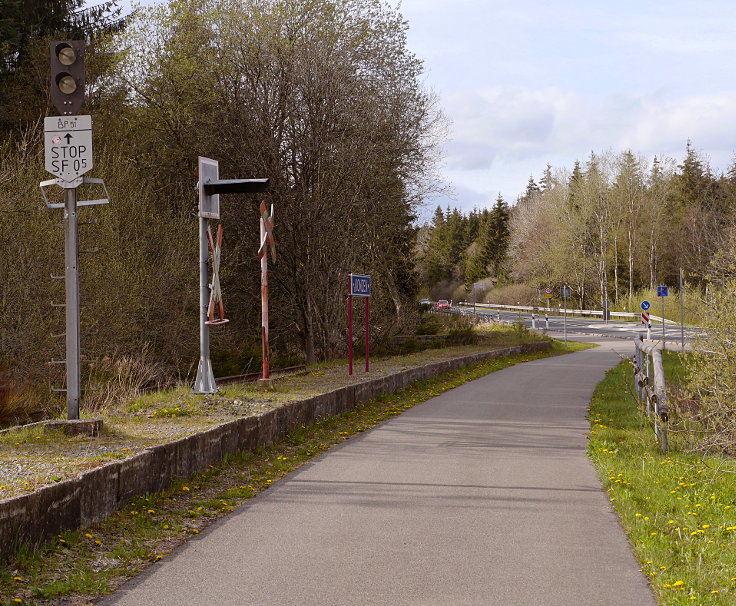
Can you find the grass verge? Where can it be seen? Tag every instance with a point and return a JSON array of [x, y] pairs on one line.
[[679, 510], [77, 567]]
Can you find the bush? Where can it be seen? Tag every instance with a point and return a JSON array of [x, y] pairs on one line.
[[429, 324], [513, 294], [711, 374], [461, 331]]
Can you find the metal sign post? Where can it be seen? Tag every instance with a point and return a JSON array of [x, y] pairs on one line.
[[663, 291], [645, 305], [565, 292], [682, 313], [210, 186], [359, 285]]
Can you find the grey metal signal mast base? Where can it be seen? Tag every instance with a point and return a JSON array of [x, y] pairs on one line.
[[210, 187], [71, 274], [71, 279], [205, 381]]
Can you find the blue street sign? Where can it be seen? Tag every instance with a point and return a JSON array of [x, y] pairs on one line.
[[360, 286], [662, 291], [645, 305]]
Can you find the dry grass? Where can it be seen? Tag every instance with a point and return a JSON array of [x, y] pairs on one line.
[[34, 457]]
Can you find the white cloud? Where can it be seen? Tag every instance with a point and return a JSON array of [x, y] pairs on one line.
[[504, 134]]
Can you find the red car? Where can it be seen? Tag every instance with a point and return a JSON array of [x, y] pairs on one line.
[[443, 303]]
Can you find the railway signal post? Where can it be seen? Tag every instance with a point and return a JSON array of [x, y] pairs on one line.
[[209, 187], [68, 156]]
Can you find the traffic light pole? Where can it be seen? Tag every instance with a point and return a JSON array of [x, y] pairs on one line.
[[71, 277]]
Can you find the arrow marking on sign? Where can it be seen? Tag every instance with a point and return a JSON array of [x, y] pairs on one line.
[[68, 138]]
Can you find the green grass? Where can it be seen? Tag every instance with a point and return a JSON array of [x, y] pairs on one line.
[[678, 509], [84, 565]]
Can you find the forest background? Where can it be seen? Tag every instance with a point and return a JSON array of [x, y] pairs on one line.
[[324, 99]]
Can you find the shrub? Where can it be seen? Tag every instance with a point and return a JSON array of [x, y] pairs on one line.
[[429, 324]]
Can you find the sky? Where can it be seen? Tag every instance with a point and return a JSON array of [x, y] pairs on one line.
[[527, 82]]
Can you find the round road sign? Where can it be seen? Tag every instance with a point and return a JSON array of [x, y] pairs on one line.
[[645, 305]]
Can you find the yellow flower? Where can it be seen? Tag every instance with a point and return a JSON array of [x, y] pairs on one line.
[[678, 583], [638, 515], [185, 488], [88, 535], [18, 600], [670, 521], [17, 578], [715, 591], [653, 534]]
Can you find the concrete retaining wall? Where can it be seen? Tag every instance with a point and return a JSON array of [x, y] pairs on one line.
[[96, 494]]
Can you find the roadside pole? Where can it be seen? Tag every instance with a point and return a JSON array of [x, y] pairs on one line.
[[663, 291], [359, 285], [350, 324], [663, 327], [565, 292], [682, 313], [366, 331]]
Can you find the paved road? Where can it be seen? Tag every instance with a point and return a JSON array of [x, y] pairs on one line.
[[481, 496], [590, 326]]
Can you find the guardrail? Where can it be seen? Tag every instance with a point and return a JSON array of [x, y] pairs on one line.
[[579, 312], [651, 388]]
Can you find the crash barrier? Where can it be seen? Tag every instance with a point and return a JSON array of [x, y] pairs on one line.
[[651, 390], [554, 310], [88, 499]]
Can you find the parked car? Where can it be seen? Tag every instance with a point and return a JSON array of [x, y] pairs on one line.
[[443, 303], [425, 302]]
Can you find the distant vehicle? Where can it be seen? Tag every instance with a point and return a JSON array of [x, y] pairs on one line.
[[443, 303], [425, 302]]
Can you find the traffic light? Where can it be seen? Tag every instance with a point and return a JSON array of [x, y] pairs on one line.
[[67, 76]]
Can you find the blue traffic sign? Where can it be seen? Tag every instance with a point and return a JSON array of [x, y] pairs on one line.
[[662, 291], [645, 305], [360, 286]]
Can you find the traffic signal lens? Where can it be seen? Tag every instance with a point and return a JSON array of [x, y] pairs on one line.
[[66, 83], [67, 75], [66, 54]]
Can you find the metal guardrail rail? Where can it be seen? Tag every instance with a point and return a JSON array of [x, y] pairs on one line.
[[550, 310], [650, 386]]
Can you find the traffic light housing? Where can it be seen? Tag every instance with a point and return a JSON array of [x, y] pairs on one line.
[[67, 76]]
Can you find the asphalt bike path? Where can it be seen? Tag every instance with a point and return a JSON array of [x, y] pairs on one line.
[[482, 495]]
